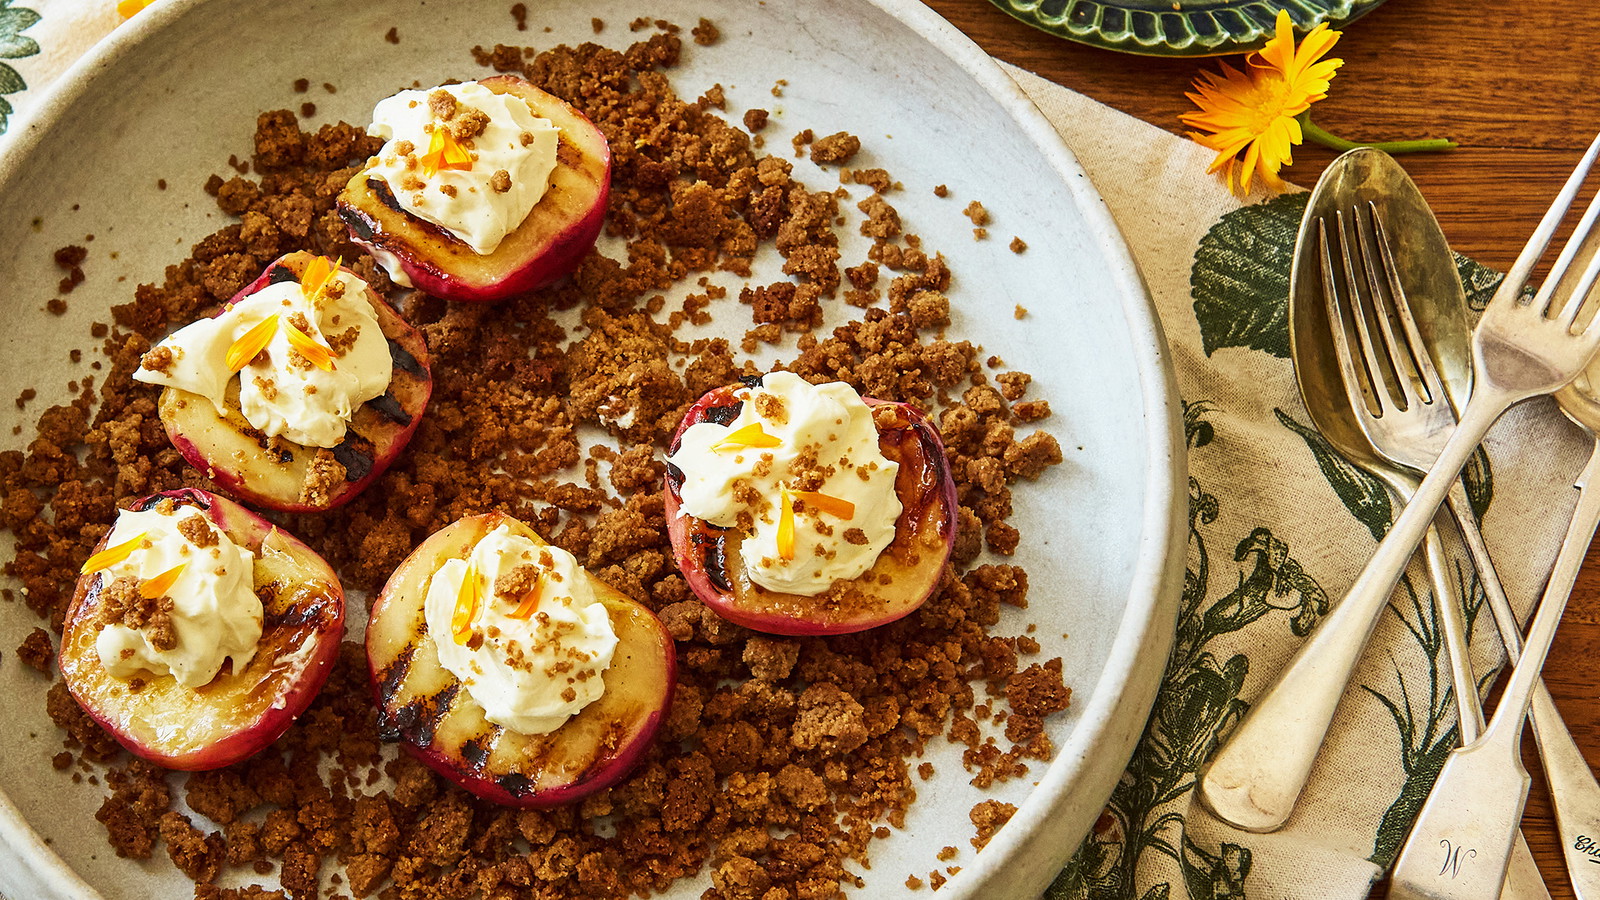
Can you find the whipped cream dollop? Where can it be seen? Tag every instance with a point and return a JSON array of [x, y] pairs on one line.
[[822, 442], [281, 392], [209, 614], [512, 153], [531, 667]]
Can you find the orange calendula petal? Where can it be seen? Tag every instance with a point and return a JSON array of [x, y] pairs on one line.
[[250, 343], [318, 273], [129, 8], [833, 506], [750, 435], [444, 153], [159, 585], [434, 158], [530, 603], [786, 527], [110, 556], [307, 346], [466, 606], [455, 155]]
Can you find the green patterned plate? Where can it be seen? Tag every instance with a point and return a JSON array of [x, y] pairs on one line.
[[1178, 27]]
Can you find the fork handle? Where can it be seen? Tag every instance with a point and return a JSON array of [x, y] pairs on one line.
[[1476, 803], [1255, 779], [1574, 793]]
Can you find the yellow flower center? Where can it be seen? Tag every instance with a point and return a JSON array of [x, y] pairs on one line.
[[1268, 99]]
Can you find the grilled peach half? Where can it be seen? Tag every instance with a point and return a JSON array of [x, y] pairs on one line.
[[905, 575], [236, 714], [274, 472], [549, 243], [424, 706]]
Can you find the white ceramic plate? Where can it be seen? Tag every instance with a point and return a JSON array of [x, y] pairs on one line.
[[171, 94]]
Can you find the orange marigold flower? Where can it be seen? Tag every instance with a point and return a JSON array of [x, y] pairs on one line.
[[1248, 117], [127, 9]]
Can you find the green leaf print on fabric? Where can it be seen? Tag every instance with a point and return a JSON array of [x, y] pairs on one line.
[[1240, 279], [1268, 586], [1361, 493], [1478, 281], [14, 45], [1197, 705], [1422, 716], [1478, 479], [1218, 876]]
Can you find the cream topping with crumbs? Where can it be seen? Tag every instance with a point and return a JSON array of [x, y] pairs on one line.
[[826, 443], [212, 608], [281, 393], [512, 152], [529, 673]]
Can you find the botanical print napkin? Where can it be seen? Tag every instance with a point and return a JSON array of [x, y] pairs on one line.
[[1278, 524], [39, 39]]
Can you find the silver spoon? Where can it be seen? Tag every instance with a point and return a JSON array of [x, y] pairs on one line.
[[1428, 276]]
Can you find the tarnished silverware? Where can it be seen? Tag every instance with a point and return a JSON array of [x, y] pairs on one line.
[[1521, 349], [1484, 782], [1374, 208]]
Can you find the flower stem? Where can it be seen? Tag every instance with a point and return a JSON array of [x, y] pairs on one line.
[[1315, 133]]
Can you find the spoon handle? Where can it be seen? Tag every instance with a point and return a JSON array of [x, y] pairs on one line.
[[1453, 624], [1255, 779]]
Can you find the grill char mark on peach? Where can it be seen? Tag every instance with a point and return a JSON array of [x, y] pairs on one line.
[[267, 474], [421, 705], [243, 712]]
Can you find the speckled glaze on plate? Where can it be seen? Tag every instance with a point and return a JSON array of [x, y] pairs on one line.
[[1178, 27], [174, 92]]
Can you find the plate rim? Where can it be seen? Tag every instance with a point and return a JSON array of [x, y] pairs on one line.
[[1257, 29], [1149, 619], [1145, 631]]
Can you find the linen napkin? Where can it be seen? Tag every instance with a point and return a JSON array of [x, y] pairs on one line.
[[1278, 524]]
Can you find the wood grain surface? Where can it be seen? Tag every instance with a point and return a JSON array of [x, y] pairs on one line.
[[1516, 86]]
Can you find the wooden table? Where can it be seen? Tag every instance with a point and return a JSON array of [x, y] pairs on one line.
[[1515, 85]]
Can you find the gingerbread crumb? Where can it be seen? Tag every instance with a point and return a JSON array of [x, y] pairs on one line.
[[835, 148], [705, 34], [989, 817], [37, 652]]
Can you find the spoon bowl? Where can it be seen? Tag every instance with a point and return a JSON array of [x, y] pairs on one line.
[[1427, 272]]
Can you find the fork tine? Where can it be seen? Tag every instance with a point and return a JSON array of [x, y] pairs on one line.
[[1349, 377], [1358, 314], [1432, 384], [1517, 277], [1569, 252], [1580, 293], [1385, 285]]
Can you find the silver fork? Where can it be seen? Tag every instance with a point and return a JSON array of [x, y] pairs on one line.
[[1574, 793], [1520, 350], [1481, 789], [1370, 296]]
